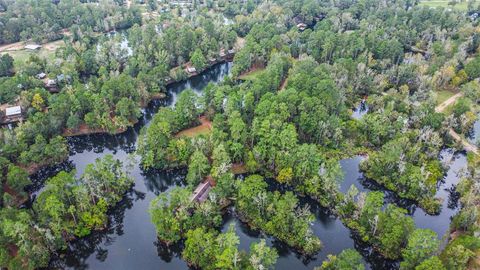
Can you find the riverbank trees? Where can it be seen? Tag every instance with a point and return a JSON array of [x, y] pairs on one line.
[[67, 208], [276, 214], [403, 167], [207, 249], [386, 229], [103, 80], [347, 259]]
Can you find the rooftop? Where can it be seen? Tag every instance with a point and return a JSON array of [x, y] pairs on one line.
[[11, 111], [32, 46], [201, 192]]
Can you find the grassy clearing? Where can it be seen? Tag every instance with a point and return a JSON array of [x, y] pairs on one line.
[[204, 128], [20, 57], [47, 51], [251, 75], [195, 131], [462, 6], [238, 168], [443, 95]]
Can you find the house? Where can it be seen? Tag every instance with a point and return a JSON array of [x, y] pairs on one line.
[[301, 26], [41, 76], [33, 47], [191, 70], [51, 83], [201, 192], [13, 114]]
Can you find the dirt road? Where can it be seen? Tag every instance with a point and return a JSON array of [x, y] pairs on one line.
[[466, 145], [448, 102]]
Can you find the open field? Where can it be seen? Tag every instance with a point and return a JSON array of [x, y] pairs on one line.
[[439, 3], [21, 55], [204, 128], [251, 75]]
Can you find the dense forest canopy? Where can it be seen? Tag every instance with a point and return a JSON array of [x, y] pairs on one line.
[[276, 128]]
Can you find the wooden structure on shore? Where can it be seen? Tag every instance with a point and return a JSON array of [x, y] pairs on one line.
[[200, 194]]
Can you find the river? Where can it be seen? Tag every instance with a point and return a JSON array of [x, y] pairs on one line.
[[130, 240]]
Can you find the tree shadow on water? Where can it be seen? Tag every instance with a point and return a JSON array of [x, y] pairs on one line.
[[80, 250]]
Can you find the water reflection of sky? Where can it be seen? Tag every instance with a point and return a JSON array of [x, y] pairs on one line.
[[474, 135], [360, 110]]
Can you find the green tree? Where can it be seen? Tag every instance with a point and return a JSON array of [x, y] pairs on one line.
[[422, 244], [198, 60], [431, 263], [186, 109], [152, 5], [168, 212], [262, 257], [228, 256], [17, 179], [461, 106], [200, 248], [198, 168], [6, 65], [472, 68], [348, 259]]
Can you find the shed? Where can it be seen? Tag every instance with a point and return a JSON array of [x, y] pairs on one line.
[[33, 47], [41, 76]]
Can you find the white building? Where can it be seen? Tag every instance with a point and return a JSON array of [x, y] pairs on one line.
[[191, 70], [13, 111], [33, 47]]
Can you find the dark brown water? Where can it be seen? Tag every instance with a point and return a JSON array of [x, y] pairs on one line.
[[130, 240]]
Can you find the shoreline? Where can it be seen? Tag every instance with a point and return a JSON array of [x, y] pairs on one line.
[[36, 167], [156, 96]]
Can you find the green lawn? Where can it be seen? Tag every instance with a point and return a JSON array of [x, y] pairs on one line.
[[439, 3], [443, 95], [21, 56], [250, 76]]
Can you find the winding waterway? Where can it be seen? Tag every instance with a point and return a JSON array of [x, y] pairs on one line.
[[130, 240]]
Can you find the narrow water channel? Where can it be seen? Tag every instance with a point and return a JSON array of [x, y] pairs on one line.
[[130, 240]]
